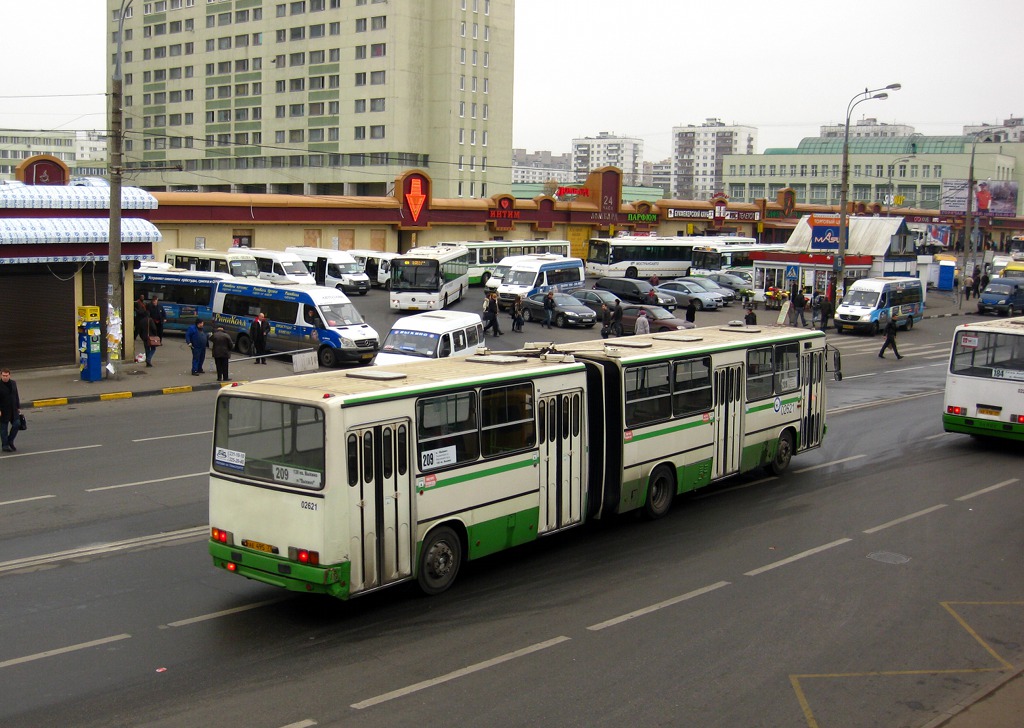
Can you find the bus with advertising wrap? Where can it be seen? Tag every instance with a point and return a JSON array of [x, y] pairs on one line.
[[985, 381], [344, 483], [485, 255], [185, 295], [428, 279]]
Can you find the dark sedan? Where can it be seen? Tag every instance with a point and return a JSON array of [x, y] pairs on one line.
[[659, 318], [594, 297], [569, 311]]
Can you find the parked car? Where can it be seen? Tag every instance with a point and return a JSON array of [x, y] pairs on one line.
[[728, 295], [594, 297], [628, 290], [728, 280], [683, 292], [745, 273], [661, 319], [569, 311]]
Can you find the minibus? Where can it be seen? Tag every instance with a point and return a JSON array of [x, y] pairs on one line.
[[1003, 296], [871, 302], [376, 265], [431, 335], [278, 266], [333, 268], [186, 295], [540, 274], [301, 317], [237, 262]]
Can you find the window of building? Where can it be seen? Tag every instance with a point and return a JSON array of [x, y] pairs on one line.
[[378, 22], [317, 31], [378, 78], [297, 33], [360, 106], [377, 104], [377, 132], [316, 57], [360, 25], [378, 50], [360, 52], [360, 132], [360, 79]]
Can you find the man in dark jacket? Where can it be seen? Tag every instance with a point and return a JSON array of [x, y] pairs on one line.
[[259, 330], [221, 343], [158, 314], [10, 410]]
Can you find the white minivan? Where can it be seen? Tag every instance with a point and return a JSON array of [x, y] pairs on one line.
[[539, 273], [431, 335], [278, 266], [333, 268], [376, 264], [871, 302]]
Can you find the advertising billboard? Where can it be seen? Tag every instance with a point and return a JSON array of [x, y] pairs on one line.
[[992, 198]]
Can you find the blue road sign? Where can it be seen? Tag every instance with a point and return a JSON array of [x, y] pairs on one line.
[[792, 272]]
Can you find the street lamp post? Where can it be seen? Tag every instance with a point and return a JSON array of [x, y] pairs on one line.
[[840, 260], [892, 193], [967, 214]]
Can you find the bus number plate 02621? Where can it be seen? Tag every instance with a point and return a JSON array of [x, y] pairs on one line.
[[257, 546]]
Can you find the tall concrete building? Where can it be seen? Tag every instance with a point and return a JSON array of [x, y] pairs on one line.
[[540, 167], [317, 96], [698, 154], [866, 128], [609, 150], [85, 153]]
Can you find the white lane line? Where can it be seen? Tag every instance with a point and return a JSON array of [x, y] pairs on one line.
[[829, 464], [25, 500], [909, 369], [940, 435], [859, 376], [659, 605], [797, 557], [976, 493], [104, 548], [224, 613], [904, 519], [170, 437], [301, 724], [62, 650], [458, 673], [147, 482], [12, 455]]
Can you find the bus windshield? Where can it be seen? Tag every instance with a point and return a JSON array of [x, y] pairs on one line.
[[415, 275], [412, 343], [337, 270], [294, 268], [243, 268], [867, 299], [520, 277], [340, 314]]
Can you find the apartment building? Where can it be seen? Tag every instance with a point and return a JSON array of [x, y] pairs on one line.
[[608, 149], [540, 167], [85, 154], [316, 96], [867, 127], [698, 156]]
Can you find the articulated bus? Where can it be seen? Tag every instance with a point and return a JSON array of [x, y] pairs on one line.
[[346, 482], [485, 255], [985, 381], [428, 279], [717, 256], [642, 257], [185, 295]]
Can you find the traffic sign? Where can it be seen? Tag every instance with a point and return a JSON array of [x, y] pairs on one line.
[[792, 272]]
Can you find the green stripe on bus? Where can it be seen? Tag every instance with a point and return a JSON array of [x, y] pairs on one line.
[[771, 405], [670, 430], [484, 473], [503, 532]]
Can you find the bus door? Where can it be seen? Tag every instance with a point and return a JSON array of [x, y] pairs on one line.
[[728, 445], [812, 419], [380, 501], [561, 457]]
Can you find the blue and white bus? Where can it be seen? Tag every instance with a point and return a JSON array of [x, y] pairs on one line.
[[186, 295], [529, 274], [871, 302], [300, 316], [428, 279]]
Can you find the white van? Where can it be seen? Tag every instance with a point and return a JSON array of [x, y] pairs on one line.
[[376, 264], [871, 302], [278, 266], [333, 268], [531, 274], [236, 261], [431, 335]]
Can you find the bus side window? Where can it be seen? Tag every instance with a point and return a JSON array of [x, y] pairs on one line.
[[459, 339], [882, 300], [444, 348]]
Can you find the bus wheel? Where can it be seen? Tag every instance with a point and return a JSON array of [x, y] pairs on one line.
[[661, 489], [328, 357], [439, 561], [244, 345], [485, 277], [783, 454], [632, 272], [910, 323]]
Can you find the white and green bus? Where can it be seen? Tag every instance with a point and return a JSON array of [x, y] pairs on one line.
[[429, 278], [641, 256], [485, 255], [346, 482]]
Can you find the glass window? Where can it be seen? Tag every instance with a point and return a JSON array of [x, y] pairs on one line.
[[691, 387], [507, 421], [760, 372], [446, 430], [647, 394]]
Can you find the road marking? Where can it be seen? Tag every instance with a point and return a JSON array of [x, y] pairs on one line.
[[301, 724], [107, 548], [223, 613], [659, 605], [797, 557], [12, 455], [976, 493], [940, 435], [904, 519], [830, 463], [859, 376], [147, 482], [401, 692], [170, 437], [63, 650], [25, 500], [881, 402], [909, 369]]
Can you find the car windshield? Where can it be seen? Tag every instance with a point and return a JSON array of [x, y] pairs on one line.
[[294, 268], [866, 299], [336, 270], [340, 314], [998, 288], [499, 271], [244, 268], [706, 285], [411, 343]]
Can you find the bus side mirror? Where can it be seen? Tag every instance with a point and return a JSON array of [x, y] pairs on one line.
[[836, 365]]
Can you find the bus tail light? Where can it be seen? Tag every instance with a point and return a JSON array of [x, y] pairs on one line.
[[954, 410], [221, 536], [1017, 419], [304, 556]]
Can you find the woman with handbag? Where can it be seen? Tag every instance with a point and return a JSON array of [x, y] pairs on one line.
[[10, 410], [150, 337]]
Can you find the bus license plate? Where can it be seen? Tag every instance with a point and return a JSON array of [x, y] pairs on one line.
[[988, 411], [257, 546], [414, 308]]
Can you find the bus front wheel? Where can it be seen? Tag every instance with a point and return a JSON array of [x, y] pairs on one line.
[[661, 489], [244, 345], [632, 272], [440, 560], [328, 357], [783, 454]]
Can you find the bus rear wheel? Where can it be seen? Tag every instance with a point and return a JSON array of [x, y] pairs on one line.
[[439, 561], [661, 489], [632, 272], [783, 454]]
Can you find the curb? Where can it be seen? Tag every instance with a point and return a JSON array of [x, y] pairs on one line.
[[80, 399]]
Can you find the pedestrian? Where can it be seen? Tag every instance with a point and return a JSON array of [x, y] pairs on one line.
[[977, 287], [259, 330], [517, 314], [642, 325], [984, 281], [221, 344], [793, 289], [968, 287], [150, 339], [617, 318], [197, 340], [815, 309], [606, 321], [140, 313], [826, 311], [654, 280], [158, 314], [799, 303], [751, 318], [10, 410], [549, 309], [890, 339], [691, 312], [491, 320]]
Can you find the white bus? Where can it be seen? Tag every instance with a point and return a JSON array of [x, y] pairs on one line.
[[985, 381], [718, 255], [376, 265], [341, 484], [530, 274], [485, 255], [333, 268], [238, 262], [277, 266], [642, 257], [428, 279]]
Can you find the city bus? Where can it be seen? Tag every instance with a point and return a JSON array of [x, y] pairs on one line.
[[238, 262], [642, 257], [342, 483], [485, 255], [428, 279], [717, 256], [185, 295], [985, 381]]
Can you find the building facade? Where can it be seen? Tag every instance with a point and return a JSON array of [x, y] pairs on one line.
[[609, 150], [866, 128], [85, 154], [540, 167], [316, 96], [698, 156]]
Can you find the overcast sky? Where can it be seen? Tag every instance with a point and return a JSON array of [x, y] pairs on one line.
[[638, 68]]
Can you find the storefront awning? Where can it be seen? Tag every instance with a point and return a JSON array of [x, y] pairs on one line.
[[41, 197], [19, 231]]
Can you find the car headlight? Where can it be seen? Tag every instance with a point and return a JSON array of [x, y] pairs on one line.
[[572, 314]]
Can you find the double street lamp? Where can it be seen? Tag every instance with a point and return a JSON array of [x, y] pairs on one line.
[[840, 260]]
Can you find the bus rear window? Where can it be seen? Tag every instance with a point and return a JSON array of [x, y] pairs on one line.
[[277, 442]]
